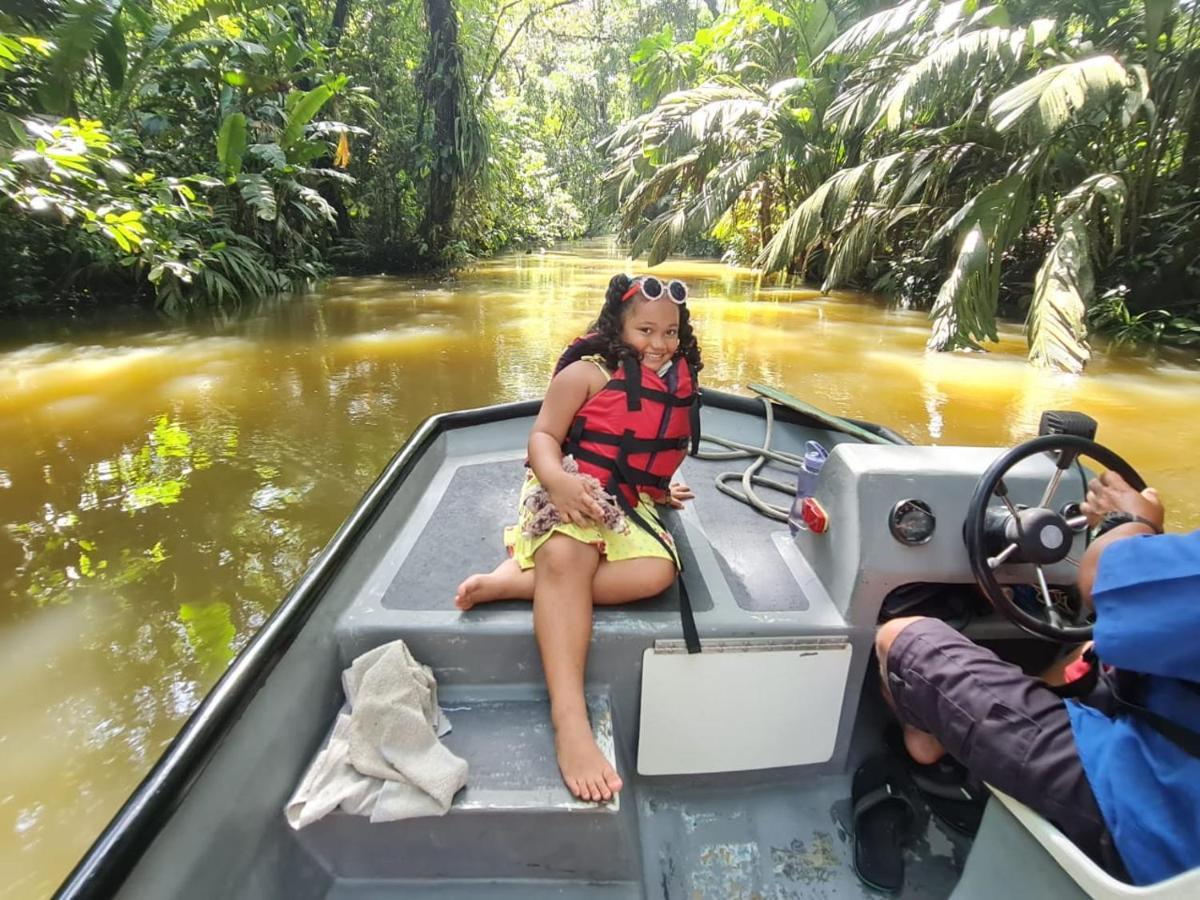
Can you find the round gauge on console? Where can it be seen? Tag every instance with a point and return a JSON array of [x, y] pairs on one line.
[[912, 522]]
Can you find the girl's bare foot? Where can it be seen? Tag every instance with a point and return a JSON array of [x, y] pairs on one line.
[[505, 582], [587, 772], [922, 746]]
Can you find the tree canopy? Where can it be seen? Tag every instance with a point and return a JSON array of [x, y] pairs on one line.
[[976, 159]]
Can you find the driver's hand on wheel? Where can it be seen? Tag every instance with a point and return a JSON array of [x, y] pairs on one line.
[[1111, 493]]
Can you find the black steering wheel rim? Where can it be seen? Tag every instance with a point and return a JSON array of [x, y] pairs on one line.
[[974, 532]]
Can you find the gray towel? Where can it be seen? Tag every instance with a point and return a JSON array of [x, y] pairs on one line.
[[383, 758]]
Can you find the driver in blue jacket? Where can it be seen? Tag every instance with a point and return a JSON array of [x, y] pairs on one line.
[[1118, 771]]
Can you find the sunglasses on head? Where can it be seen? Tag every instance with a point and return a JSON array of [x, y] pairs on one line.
[[652, 288]]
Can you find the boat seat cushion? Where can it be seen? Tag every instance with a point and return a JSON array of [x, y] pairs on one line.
[[464, 535]]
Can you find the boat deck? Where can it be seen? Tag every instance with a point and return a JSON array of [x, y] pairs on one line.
[[515, 831], [777, 833]]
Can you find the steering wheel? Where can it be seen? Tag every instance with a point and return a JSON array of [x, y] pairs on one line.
[[1036, 535]]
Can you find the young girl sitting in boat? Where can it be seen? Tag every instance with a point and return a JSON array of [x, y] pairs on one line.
[[618, 418]]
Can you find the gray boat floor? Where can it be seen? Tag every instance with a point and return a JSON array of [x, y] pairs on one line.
[[464, 535], [769, 834], [787, 842]]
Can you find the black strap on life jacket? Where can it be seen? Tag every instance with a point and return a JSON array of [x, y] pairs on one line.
[[1122, 685], [632, 383], [694, 411], [666, 399], [691, 636]]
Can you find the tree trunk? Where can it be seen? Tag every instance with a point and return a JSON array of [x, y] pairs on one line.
[[442, 76], [341, 12]]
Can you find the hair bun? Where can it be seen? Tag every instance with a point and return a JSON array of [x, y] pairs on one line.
[[617, 286]]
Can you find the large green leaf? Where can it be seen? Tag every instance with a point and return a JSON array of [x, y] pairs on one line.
[[80, 27], [951, 74], [1061, 290], [834, 205], [964, 311], [866, 36], [1065, 283], [1051, 99], [114, 54], [259, 196], [815, 27], [231, 143], [302, 106]]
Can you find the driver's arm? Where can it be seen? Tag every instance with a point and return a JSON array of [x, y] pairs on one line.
[[1112, 493], [1145, 587], [1091, 559]]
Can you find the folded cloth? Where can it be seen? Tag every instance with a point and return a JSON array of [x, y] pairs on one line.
[[383, 759]]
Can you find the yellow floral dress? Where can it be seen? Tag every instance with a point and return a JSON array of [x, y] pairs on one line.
[[631, 541]]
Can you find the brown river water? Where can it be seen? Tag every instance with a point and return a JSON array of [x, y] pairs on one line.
[[163, 485]]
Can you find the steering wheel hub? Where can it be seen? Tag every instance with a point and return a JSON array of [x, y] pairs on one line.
[[1042, 536]]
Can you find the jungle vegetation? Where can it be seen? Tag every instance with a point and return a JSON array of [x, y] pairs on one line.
[[1034, 160]]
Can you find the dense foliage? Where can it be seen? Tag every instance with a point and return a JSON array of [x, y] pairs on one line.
[[971, 158], [214, 150], [975, 159]]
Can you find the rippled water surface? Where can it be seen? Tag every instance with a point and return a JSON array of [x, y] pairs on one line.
[[163, 485]]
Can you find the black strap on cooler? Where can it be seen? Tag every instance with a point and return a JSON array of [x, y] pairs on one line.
[[1122, 684]]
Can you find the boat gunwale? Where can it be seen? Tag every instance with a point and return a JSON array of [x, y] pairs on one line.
[[113, 855]]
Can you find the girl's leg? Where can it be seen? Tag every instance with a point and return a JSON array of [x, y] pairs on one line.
[[562, 623], [615, 583]]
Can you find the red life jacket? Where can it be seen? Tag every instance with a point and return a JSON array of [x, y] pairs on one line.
[[633, 433]]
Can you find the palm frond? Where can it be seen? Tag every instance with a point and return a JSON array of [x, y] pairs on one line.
[[1050, 99], [650, 190], [663, 233], [798, 232], [964, 312], [831, 207], [1065, 283], [874, 30], [856, 104], [723, 187], [951, 73], [855, 247], [963, 296]]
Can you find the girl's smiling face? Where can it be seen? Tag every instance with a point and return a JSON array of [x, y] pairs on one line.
[[651, 327]]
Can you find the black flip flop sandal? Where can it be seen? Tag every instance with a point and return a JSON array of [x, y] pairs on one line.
[[884, 821], [945, 786]]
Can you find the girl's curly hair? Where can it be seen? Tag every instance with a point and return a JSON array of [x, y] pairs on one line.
[[604, 335]]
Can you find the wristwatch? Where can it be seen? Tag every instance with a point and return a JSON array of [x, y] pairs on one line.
[[1113, 520]]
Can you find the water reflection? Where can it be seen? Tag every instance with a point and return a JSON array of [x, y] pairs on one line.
[[161, 488]]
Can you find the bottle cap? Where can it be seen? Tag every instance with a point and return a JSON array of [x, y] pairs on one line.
[[814, 456]]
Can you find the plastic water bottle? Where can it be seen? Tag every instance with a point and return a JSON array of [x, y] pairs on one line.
[[806, 482]]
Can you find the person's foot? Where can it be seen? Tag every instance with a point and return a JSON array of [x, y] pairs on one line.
[[587, 772], [476, 589], [499, 584], [922, 746]]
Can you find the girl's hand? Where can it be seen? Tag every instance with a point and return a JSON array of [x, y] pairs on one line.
[[679, 493], [573, 500]]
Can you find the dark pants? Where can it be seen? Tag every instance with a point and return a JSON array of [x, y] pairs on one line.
[[1007, 728]]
